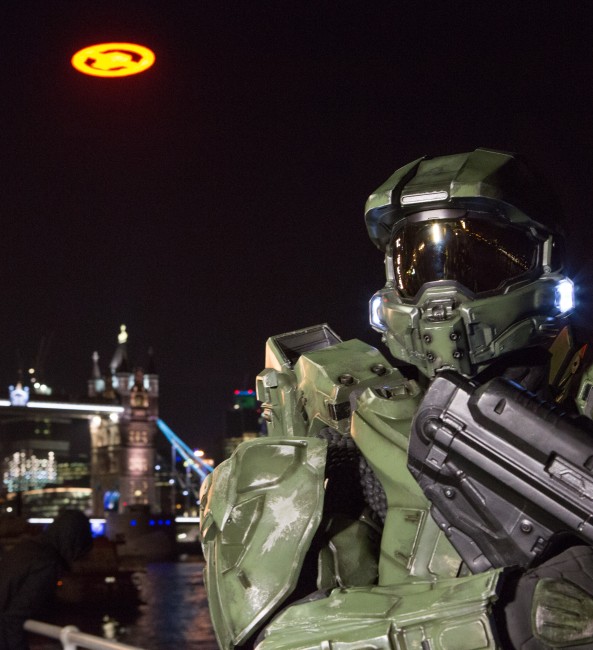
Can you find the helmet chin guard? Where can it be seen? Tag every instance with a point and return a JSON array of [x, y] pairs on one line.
[[446, 328]]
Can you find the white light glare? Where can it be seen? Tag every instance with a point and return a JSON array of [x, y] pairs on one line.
[[375, 312], [565, 295], [437, 233], [424, 197], [76, 407], [48, 520]]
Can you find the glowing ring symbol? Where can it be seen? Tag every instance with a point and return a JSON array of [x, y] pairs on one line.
[[113, 59]]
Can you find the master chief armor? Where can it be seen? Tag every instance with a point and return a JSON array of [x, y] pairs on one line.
[[317, 535]]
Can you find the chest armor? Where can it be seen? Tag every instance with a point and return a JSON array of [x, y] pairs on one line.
[[262, 510], [313, 380]]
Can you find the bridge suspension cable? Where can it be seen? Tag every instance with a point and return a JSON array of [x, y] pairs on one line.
[[196, 464]]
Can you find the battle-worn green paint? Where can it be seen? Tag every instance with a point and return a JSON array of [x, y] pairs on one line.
[[262, 507], [480, 179], [259, 512], [446, 615]]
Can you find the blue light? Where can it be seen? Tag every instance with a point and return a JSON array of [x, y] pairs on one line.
[[97, 527], [564, 296], [151, 522], [375, 312], [168, 522], [133, 522], [160, 522], [111, 500], [197, 464]]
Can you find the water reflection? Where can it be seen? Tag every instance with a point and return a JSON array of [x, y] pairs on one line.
[[173, 612]]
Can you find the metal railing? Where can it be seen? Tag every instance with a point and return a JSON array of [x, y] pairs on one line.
[[71, 637]]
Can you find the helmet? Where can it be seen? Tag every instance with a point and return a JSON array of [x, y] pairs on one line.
[[473, 259]]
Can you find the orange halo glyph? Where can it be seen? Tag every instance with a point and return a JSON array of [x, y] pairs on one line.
[[113, 59]]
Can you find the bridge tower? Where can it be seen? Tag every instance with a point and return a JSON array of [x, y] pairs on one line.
[[123, 446]]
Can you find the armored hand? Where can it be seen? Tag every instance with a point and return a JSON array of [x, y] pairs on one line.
[[552, 605]]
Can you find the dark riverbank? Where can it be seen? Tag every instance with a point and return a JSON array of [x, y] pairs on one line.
[[171, 612]]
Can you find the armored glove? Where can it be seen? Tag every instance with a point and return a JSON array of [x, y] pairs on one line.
[[551, 606]]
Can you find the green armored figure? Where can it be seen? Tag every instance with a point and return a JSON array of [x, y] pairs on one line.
[[442, 502]]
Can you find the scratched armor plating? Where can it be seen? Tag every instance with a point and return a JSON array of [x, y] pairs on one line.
[[317, 535]]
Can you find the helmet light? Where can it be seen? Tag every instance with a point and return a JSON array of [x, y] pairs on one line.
[[424, 197], [375, 312], [564, 295]]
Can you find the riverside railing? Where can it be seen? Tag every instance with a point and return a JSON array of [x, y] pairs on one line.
[[71, 637]]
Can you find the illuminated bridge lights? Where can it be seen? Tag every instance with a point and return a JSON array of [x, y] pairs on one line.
[[65, 406]]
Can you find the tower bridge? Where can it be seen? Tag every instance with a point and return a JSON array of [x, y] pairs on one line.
[[123, 424]]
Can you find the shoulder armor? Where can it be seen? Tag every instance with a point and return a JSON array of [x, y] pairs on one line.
[[259, 511], [311, 376]]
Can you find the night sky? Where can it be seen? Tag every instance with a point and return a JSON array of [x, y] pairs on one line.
[[217, 199]]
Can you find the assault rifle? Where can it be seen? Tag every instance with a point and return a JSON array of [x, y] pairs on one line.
[[506, 473]]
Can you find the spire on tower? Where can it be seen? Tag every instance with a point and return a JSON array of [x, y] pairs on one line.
[[96, 384], [96, 370], [122, 337], [119, 362]]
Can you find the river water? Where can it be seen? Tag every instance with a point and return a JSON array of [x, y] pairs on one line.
[[172, 612]]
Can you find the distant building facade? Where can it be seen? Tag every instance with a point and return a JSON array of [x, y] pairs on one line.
[[123, 446], [39, 448], [49, 458]]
